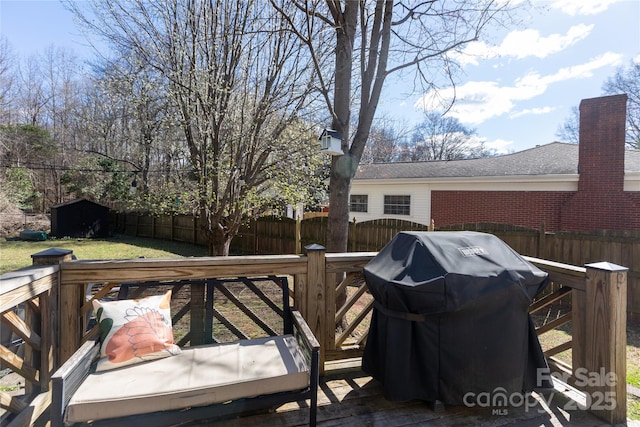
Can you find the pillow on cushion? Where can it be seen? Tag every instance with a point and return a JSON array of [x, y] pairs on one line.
[[133, 331]]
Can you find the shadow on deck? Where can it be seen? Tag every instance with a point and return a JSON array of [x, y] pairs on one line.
[[352, 398]]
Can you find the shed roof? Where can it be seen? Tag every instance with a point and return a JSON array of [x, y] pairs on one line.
[[556, 158], [75, 201]]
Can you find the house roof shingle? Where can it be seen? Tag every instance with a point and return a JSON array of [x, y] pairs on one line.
[[556, 158]]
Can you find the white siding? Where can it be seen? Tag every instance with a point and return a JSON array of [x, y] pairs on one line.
[[420, 201], [632, 181]]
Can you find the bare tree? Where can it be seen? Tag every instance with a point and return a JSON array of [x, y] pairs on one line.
[[61, 76], [143, 116], [7, 78], [569, 130], [32, 96], [239, 84], [439, 137], [385, 141], [371, 40], [627, 80]]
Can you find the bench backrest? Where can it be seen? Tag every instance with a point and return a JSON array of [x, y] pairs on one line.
[[251, 307]]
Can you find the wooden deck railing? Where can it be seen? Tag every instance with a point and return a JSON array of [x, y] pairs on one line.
[[597, 313], [76, 276], [598, 342], [31, 291]]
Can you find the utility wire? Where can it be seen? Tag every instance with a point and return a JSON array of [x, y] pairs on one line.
[[43, 166]]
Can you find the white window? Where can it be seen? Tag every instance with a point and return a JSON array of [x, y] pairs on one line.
[[397, 205], [359, 203]]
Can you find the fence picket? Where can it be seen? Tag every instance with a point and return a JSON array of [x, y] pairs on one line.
[[275, 236]]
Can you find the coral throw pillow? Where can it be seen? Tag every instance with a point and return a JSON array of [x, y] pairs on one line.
[[133, 331]]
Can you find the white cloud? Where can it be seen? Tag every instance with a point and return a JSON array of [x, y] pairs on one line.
[[582, 7], [587, 69], [531, 111], [500, 145], [526, 43], [476, 102]]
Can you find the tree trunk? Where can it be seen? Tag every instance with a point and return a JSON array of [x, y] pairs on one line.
[[219, 242], [342, 172], [342, 168], [219, 248]]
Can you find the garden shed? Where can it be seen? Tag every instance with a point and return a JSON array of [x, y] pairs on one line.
[[80, 218]]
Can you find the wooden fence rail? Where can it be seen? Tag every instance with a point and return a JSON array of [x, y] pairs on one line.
[[272, 235]]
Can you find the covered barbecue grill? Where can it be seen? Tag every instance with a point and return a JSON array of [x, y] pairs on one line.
[[451, 318]]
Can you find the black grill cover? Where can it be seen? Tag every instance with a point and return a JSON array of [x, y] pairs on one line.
[[451, 317]]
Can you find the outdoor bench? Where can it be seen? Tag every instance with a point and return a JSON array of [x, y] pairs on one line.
[[202, 382]]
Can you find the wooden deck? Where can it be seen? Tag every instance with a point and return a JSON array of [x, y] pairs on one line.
[[596, 294], [349, 397]]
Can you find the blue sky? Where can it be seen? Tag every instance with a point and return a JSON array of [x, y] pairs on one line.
[[517, 86]]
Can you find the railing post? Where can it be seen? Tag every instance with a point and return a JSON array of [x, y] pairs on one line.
[[298, 235], [49, 315], [354, 233], [605, 342], [69, 302], [315, 304]]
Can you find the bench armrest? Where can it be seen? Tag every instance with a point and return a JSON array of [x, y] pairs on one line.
[[66, 380], [311, 348], [303, 332]]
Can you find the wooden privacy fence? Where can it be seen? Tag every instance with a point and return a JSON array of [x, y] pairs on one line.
[[573, 248], [267, 235], [273, 235]]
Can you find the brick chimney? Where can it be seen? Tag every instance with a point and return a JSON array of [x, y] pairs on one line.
[[601, 147], [601, 203]]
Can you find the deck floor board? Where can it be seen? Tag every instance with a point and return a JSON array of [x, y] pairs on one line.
[[354, 399]]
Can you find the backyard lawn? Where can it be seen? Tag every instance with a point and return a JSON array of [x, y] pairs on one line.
[[16, 253]]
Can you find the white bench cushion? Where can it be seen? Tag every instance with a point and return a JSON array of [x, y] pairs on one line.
[[198, 376]]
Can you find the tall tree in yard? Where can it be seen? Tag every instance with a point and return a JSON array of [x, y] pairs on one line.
[[7, 79], [371, 40], [439, 137], [385, 141], [627, 80], [239, 83]]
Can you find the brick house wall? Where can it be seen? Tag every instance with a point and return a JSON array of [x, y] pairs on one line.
[[525, 208], [599, 204]]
